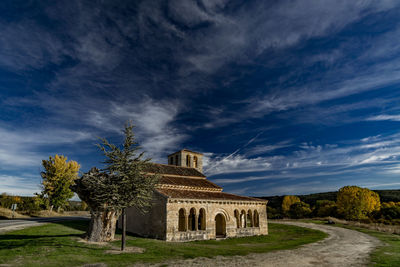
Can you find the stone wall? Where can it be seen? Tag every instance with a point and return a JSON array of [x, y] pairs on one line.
[[149, 224], [212, 209], [181, 156]]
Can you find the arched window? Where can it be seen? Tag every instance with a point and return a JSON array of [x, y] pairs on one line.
[[194, 162], [192, 220], [202, 219], [188, 161], [182, 220], [176, 160], [243, 219], [256, 219], [237, 217], [249, 219]]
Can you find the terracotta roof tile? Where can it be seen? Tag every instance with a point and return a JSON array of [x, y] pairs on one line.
[[172, 170], [186, 194], [191, 182]]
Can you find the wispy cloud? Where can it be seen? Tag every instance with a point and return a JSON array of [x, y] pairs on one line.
[[185, 68], [360, 156], [384, 118], [24, 148], [19, 185]]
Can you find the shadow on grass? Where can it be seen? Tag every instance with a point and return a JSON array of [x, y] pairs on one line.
[[10, 241], [77, 225]]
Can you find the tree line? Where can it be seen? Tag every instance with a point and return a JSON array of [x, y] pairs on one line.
[[352, 203]]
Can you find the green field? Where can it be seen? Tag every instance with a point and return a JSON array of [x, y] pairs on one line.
[[52, 244]]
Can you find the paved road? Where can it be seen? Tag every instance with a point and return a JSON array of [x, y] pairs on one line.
[[14, 224], [343, 247]]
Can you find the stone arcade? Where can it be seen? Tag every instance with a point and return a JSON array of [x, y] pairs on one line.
[[186, 206]]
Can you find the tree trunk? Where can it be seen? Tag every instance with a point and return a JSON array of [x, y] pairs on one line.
[[102, 226]]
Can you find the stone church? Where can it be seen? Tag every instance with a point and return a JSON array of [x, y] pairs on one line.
[[187, 206]]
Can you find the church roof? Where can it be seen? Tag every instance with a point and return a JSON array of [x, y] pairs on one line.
[[188, 194], [172, 170], [188, 182]]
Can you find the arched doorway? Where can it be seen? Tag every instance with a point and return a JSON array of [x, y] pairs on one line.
[[220, 226]]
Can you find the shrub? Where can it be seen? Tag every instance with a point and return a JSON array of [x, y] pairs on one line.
[[390, 210], [30, 205], [325, 208], [299, 210], [273, 213], [6, 200]]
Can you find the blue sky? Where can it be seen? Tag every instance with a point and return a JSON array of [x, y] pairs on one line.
[[282, 97]]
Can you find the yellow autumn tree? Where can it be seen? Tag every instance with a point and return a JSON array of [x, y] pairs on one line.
[[356, 203], [58, 176], [287, 202]]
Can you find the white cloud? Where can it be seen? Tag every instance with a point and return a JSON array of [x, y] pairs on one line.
[[235, 164], [384, 118], [153, 119], [23, 147], [17, 185], [310, 161]]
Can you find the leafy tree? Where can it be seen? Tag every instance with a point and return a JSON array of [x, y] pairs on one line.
[[390, 210], [30, 205], [356, 203], [287, 202], [6, 200], [58, 176], [324, 208], [120, 185], [273, 213], [299, 210]]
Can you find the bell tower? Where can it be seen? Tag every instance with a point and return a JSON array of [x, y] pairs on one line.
[[187, 158]]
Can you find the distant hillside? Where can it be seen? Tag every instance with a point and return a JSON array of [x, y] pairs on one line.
[[385, 196], [389, 195]]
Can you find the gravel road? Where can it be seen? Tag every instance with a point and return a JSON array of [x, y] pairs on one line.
[[343, 247]]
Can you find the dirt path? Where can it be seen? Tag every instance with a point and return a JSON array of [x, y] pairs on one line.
[[343, 247]]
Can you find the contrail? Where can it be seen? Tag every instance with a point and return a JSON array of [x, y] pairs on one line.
[[237, 150]]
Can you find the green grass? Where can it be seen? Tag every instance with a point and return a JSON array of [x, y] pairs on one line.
[[386, 255], [53, 244]]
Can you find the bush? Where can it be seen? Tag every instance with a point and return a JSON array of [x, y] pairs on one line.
[[274, 213], [6, 200], [30, 205], [390, 211], [325, 208], [299, 210]]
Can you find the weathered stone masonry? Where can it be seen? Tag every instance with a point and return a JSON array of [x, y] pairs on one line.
[[187, 206]]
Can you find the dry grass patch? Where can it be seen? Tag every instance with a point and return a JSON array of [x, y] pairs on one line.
[[391, 229], [8, 214]]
